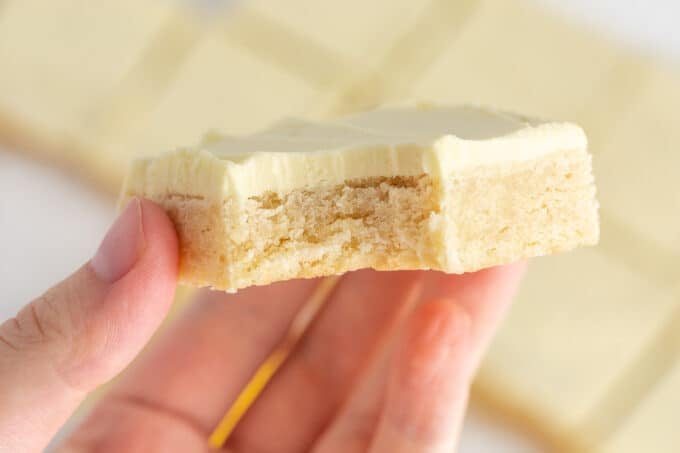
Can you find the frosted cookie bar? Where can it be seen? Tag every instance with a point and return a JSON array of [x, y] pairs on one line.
[[450, 188]]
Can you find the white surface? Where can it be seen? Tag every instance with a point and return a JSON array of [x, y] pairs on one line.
[[51, 226], [48, 228], [649, 26]]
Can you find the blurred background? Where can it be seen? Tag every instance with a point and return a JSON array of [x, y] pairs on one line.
[[589, 358]]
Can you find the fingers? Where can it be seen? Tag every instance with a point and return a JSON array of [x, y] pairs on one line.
[[87, 328], [428, 386], [198, 367], [194, 371], [303, 397], [417, 385], [354, 425], [481, 297]]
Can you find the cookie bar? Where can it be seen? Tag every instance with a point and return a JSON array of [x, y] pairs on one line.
[[455, 189]]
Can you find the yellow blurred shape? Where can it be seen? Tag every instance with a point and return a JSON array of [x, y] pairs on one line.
[[638, 168], [513, 55], [58, 57], [360, 32], [653, 427], [580, 320], [247, 397], [221, 87]]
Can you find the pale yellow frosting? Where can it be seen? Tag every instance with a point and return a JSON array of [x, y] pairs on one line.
[[385, 142]]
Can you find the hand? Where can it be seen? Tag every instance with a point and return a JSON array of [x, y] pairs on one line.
[[385, 367]]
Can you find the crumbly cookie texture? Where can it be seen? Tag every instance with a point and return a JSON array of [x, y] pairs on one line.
[[455, 189]]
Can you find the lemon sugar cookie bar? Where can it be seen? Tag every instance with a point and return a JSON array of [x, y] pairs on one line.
[[418, 187]]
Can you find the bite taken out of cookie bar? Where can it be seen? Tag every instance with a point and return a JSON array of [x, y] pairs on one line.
[[455, 189]]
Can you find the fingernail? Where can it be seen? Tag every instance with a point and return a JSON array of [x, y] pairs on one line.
[[121, 246]]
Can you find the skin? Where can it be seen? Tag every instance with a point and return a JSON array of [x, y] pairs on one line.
[[386, 366]]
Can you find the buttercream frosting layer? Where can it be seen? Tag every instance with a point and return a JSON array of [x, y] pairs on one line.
[[395, 141]]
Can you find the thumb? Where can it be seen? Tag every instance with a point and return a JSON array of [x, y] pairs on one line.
[[86, 329]]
